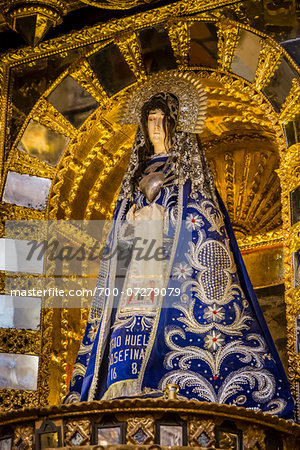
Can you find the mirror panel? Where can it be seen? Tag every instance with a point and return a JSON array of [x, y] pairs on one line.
[[280, 84], [111, 69], [24, 190], [72, 101], [245, 58], [18, 371], [43, 143], [21, 313], [157, 52]]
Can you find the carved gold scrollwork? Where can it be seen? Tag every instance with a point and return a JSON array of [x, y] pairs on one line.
[[20, 341], [80, 429], [84, 75], [291, 105], [198, 427], [146, 424], [229, 177], [26, 164], [130, 49], [45, 362], [268, 62], [179, 34], [262, 239], [14, 212], [254, 438], [228, 38], [48, 116], [11, 399], [23, 437]]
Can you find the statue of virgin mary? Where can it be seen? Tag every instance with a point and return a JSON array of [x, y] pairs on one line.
[[179, 308]]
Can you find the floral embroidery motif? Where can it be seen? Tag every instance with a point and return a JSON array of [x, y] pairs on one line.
[[213, 340], [93, 332], [214, 313], [213, 306], [182, 271], [193, 222]]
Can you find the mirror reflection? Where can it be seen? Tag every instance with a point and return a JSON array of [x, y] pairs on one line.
[[72, 101], [17, 255], [292, 131], [22, 313], [295, 205], [296, 268], [171, 435], [49, 440], [111, 69], [43, 143], [280, 84], [109, 435], [203, 45], [6, 443], [157, 52], [18, 371], [246, 55], [24, 190]]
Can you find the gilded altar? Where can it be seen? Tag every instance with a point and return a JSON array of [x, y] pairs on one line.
[[61, 146]]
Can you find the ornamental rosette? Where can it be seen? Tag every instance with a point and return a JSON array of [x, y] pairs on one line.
[[213, 340], [193, 222], [182, 271], [214, 313], [93, 332]]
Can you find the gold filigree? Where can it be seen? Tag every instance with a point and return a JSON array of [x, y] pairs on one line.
[[84, 75], [47, 115], [20, 341], [14, 212], [291, 105], [228, 38], [130, 49], [23, 437], [230, 171], [260, 240], [269, 59], [254, 438], [46, 350], [83, 427], [179, 34], [12, 399], [27, 164], [146, 424], [197, 427]]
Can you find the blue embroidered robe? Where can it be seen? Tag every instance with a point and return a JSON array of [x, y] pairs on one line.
[[211, 339]]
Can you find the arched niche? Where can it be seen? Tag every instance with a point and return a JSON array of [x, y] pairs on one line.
[[252, 87]]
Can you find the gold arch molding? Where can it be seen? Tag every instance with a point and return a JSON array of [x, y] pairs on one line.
[[239, 140], [243, 137]]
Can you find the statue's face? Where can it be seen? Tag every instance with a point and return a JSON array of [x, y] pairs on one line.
[[155, 127]]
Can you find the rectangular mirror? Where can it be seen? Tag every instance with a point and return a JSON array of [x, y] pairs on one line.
[[157, 52], [16, 256], [245, 58], [22, 313], [43, 143], [24, 190], [18, 371], [296, 268], [295, 205]]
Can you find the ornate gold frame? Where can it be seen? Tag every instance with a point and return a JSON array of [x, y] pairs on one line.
[[177, 18]]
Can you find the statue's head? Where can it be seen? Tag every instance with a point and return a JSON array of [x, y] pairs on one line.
[[160, 110]]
